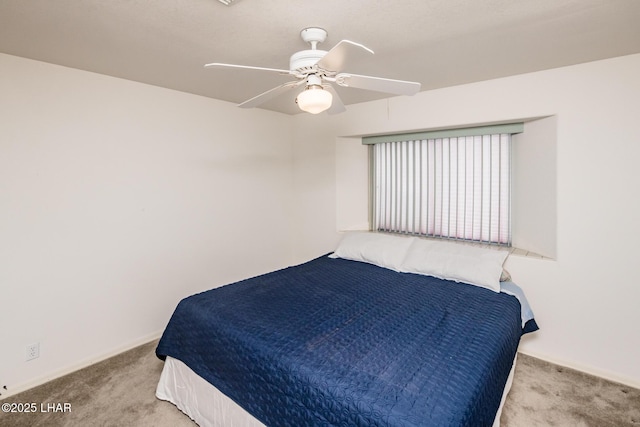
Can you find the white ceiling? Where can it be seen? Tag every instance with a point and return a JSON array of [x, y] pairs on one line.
[[435, 42]]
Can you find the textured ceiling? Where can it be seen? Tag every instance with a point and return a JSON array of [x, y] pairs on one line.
[[435, 42]]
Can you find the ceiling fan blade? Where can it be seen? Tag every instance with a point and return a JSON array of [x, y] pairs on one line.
[[245, 67], [270, 94], [335, 59], [396, 87], [336, 104]]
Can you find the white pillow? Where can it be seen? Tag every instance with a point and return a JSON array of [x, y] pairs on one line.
[[455, 261], [383, 250]]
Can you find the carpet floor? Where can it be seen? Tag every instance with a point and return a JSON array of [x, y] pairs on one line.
[[120, 391]]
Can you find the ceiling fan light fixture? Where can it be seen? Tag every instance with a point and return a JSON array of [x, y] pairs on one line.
[[314, 99]]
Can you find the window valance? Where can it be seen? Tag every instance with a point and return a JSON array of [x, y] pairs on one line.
[[510, 128]]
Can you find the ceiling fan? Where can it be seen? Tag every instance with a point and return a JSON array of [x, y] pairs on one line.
[[317, 69]]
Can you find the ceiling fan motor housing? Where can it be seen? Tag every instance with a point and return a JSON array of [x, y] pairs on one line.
[[305, 59]]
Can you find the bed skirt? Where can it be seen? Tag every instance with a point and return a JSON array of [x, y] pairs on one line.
[[209, 407]]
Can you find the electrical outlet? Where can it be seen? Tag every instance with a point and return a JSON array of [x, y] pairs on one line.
[[33, 351]]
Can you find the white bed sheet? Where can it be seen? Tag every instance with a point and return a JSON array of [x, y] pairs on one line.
[[209, 407]]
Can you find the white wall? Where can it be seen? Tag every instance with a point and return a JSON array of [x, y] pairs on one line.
[[117, 199], [534, 205], [586, 300], [314, 206]]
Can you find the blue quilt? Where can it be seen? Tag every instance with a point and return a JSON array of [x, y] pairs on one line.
[[334, 342]]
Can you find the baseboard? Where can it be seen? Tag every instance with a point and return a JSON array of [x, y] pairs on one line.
[[584, 369], [80, 365]]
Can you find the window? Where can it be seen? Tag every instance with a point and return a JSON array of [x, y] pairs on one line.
[[453, 184]]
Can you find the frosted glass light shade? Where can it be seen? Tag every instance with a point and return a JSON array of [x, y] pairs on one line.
[[314, 100]]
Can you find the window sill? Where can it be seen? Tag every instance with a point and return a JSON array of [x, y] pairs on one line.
[[527, 254], [512, 250]]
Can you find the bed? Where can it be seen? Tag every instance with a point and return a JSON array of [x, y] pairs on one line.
[[342, 340]]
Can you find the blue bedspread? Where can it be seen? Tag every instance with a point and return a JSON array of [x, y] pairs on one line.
[[334, 342]]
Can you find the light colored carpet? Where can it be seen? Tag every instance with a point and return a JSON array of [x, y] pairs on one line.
[[544, 394], [121, 392]]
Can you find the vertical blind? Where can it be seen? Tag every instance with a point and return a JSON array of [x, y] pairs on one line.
[[455, 187]]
